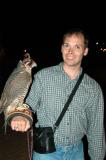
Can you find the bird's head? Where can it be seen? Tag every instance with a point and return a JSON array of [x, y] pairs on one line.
[[28, 62]]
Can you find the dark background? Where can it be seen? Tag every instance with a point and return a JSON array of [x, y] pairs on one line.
[[39, 28]]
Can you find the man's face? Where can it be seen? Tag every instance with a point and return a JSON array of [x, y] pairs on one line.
[[73, 49]]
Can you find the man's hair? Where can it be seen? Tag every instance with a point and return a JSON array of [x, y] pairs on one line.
[[77, 31]]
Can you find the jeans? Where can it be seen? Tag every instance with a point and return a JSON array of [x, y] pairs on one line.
[[72, 152]]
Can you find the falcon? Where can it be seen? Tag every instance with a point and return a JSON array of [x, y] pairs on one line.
[[17, 85]]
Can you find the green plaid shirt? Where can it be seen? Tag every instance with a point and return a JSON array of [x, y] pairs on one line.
[[49, 92]]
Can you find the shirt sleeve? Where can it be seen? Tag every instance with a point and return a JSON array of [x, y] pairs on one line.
[[95, 130]]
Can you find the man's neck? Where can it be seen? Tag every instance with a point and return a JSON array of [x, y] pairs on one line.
[[72, 72]]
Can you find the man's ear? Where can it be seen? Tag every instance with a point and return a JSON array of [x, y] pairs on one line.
[[86, 51], [61, 48]]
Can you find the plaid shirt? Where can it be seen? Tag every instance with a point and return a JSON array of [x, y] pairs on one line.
[[49, 92]]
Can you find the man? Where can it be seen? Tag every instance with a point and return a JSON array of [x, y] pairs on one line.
[[50, 90]]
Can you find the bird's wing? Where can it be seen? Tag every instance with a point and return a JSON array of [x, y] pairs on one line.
[[17, 85]]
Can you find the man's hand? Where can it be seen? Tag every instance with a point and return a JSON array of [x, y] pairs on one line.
[[20, 123]]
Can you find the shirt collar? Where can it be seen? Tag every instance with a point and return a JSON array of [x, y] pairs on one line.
[[60, 67]]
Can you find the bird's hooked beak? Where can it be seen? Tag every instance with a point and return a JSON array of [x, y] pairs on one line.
[[28, 61]]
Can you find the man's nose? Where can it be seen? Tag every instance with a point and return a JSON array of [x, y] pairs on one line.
[[70, 49]]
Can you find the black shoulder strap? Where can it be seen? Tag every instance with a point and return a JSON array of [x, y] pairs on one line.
[[68, 101]]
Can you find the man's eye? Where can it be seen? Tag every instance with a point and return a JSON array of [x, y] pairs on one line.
[[77, 47], [65, 45]]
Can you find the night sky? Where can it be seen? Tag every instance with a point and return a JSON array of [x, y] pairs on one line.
[[39, 27]]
